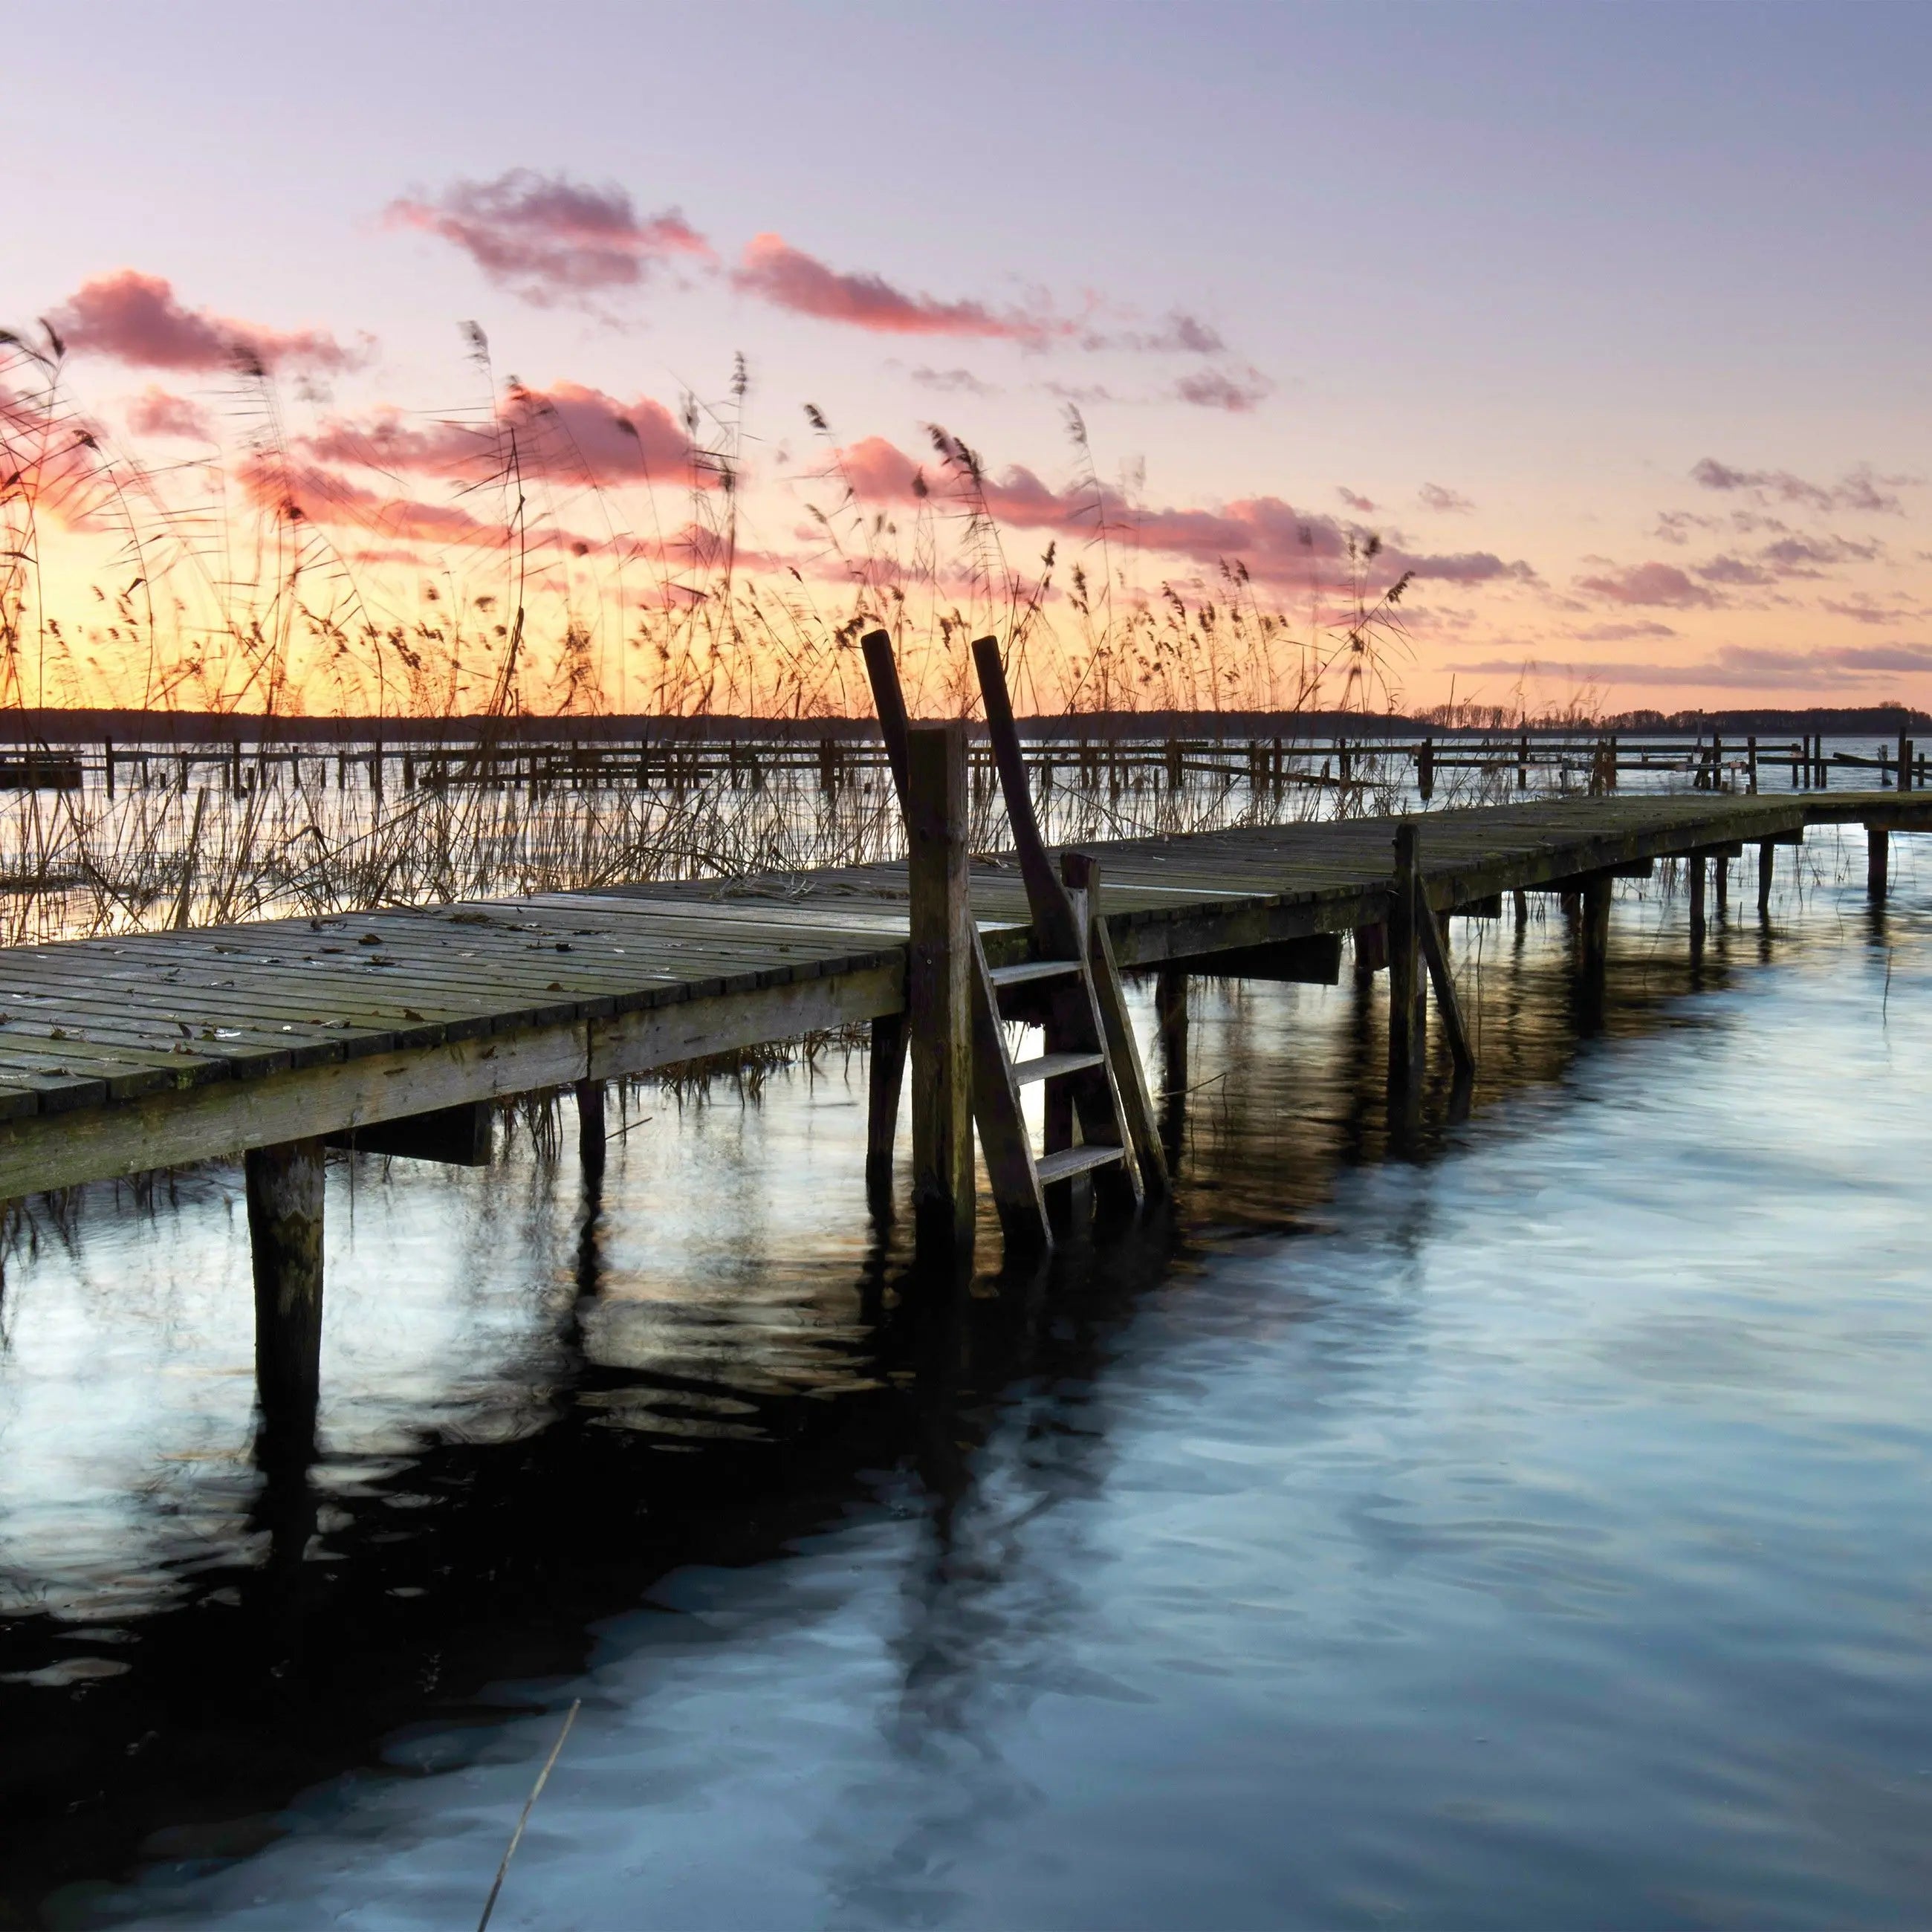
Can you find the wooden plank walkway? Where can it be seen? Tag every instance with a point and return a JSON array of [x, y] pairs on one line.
[[120, 1056]]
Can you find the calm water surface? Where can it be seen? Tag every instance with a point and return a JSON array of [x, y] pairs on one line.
[[1534, 1530]]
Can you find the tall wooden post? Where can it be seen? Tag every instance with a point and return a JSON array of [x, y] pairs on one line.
[[1721, 880], [284, 1187], [1170, 1011], [1696, 863], [887, 1078], [1404, 1043], [1595, 923], [590, 1130], [939, 989], [1904, 763], [1766, 852], [1878, 855]]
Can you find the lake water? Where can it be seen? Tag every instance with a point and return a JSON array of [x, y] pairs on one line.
[[1529, 1529]]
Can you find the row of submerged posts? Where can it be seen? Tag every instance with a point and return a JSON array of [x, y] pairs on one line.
[[1266, 762]]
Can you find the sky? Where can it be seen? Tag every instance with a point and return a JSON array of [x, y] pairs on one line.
[[1607, 322]]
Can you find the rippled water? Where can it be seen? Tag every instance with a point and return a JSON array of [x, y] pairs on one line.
[[1533, 1531]]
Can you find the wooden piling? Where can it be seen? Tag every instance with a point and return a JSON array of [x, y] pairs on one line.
[[1405, 1042], [1595, 926], [1696, 863], [885, 1081], [939, 990], [590, 1129], [1721, 880], [1904, 762], [1766, 853], [283, 1184], [1878, 856]]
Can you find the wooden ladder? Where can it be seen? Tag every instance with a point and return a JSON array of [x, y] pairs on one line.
[[1099, 1119]]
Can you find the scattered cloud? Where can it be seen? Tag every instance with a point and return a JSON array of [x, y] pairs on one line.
[[1812, 556], [1734, 570], [1858, 489], [952, 382], [1275, 542], [548, 238], [1082, 394], [1237, 391], [159, 411], [1180, 334], [137, 319], [1622, 634], [1674, 527], [1863, 609], [50, 457], [1660, 583], [1439, 496], [774, 272], [1361, 504], [312, 492], [1744, 668], [568, 430]]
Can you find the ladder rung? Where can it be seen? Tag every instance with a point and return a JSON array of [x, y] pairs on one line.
[[1070, 1161], [1032, 969], [1051, 1066]]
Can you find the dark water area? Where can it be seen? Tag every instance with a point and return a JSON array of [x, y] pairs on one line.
[[1526, 1527]]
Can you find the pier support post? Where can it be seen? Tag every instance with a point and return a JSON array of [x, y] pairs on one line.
[[1170, 1012], [939, 987], [1721, 880], [1766, 852], [1696, 863], [1595, 924], [284, 1188], [590, 1130], [886, 1078], [1404, 1035], [1878, 857]]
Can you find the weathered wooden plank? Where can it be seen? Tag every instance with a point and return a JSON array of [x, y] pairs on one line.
[[42, 1151]]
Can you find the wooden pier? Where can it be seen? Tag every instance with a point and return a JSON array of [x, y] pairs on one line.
[[121, 1056]]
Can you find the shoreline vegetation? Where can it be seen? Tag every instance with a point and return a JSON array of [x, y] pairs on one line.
[[642, 687]]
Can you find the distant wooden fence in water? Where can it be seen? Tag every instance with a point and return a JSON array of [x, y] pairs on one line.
[[675, 762]]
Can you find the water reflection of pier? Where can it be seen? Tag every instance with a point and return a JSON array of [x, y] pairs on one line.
[[373, 1591]]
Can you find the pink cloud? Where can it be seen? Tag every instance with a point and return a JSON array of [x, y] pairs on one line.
[[1740, 667], [1859, 489], [1360, 505], [1449, 502], [547, 238], [312, 492], [1237, 391], [159, 411], [568, 429], [136, 319], [1659, 583], [49, 456], [776, 272], [1276, 543]]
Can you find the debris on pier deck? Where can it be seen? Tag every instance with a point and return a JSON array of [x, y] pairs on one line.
[[122, 1055]]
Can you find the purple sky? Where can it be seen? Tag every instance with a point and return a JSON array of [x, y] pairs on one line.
[[1628, 301]]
